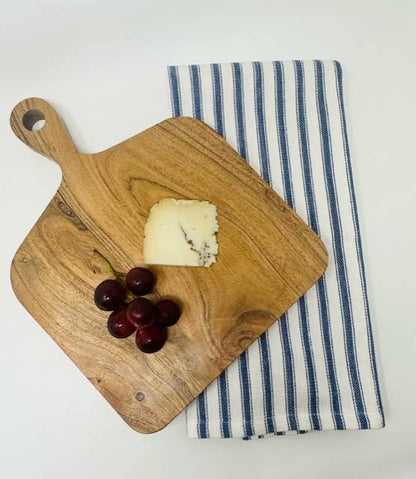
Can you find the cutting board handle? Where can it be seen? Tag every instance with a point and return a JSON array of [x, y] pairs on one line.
[[52, 139]]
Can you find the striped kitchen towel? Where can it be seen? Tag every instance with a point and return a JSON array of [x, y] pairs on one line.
[[315, 368]]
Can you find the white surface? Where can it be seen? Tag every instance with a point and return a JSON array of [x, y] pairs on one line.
[[102, 65]]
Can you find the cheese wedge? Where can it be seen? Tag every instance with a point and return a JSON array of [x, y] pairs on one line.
[[181, 233]]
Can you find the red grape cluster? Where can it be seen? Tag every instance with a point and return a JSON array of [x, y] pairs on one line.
[[141, 315]]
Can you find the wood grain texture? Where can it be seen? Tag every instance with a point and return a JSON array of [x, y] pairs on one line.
[[268, 258]]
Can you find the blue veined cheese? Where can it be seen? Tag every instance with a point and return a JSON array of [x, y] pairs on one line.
[[181, 233]]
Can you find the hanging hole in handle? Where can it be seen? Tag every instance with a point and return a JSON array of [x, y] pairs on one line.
[[33, 120]]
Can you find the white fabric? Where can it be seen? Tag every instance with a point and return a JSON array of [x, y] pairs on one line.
[[315, 368]]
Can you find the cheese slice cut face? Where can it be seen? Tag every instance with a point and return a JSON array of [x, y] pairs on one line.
[[181, 233]]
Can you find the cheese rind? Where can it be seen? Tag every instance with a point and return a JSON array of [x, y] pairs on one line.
[[181, 233]]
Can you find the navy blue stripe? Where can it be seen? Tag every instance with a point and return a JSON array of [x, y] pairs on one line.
[[261, 129], [265, 170], [290, 385], [202, 425], [329, 354], [313, 222], [340, 92], [243, 364], [223, 389], [196, 91], [267, 382], [304, 147], [337, 240], [175, 91], [239, 109], [224, 404], [281, 129], [310, 365], [218, 100]]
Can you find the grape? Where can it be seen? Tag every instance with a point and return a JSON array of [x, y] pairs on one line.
[[167, 312], [140, 281], [150, 339], [109, 295], [140, 312], [118, 325]]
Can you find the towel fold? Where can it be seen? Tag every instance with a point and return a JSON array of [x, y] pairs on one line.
[[315, 368]]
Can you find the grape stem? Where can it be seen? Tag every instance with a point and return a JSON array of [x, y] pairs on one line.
[[117, 275]]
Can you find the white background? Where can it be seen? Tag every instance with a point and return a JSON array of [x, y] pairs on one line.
[[102, 65]]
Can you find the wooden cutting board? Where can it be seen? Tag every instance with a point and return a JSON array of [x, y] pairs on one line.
[[268, 258]]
